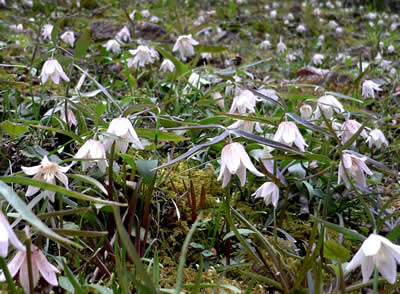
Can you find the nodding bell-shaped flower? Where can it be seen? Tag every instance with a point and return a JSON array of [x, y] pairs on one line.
[[349, 128], [281, 47], [270, 192], [354, 167], [328, 105], [246, 100], [46, 31], [377, 138], [288, 133], [39, 265], [318, 58], [184, 45], [167, 65], [122, 128], [47, 172], [306, 111], [234, 160], [112, 46], [72, 121], [69, 38], [368, 89], [196, 82], [124, 35], [52, 69], [7, 235], [93, 149], [380, 252], [247, 126], [143, 55]]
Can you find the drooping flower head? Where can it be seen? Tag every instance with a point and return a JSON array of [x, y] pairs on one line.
[[368, 89], [143, 55], [7, 235], [288, 133], [328, 104], [352, 166], [184, 45], [47, 171], [93, 149], [318, 58], [306, 111], [380, 252], [52, 69], [245, 101], [39, 265], [377, 138], [349, 128], [124, 35], [112, 46], [167, 65], [270, 192], [122, 128], [69, 38], [281, 47], [46, 31], [235, 160]]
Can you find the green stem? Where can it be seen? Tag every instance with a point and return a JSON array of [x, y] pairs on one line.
[[10, 281], [29, 259]]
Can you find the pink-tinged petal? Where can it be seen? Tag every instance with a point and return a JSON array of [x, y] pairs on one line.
[[241, 173], [289, 133], [360, 178], [47, 270], [10, 233], [63, 178], [230, 156], [108, 143], [55, 77], [15, 264], [44, 77], [245, 159], [49, 67], [299, 142], [3, 240], [61, 71], [83, 151], [365, 168], [122, 146], [30, 171], [102, 164], [347, 161], [278, 134], [227, 178], [50, 195], [221, 171], [32, 190], [24, 276], [386, 265], [45, 160]]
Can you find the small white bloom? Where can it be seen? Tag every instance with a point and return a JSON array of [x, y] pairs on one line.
[[39, 265], [132, 15], [321, 38], [28, 3], [385, 64], [124, 35], [281, 47], [113, 46], [368, 89], [288, 133], [317, 12], [318, 58], [371, 15], [349, 128], [291, 57], [219, 100], [394, 26], [246, 100], [167, 65], [3, 2], [270, 192], [273, 13], [377, 138], [69, 38], [143, 55], [332, 24], [380, 252], [235, 160], [46, 31], [306, 111], [354, 167], [205, 55], [196, 82], [17, 28], [7, 235], [265, 44], [154, 19], [290, 16], [301, 28], [378, 57], [93, 149], [52, 69], [72, 121], [47, 172], [145, 13], [339, 30], [328, 104], [246, 125], [122, 128], [184, 45]]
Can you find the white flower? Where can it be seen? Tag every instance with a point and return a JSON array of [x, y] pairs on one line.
[[46, 31], [288, 133], [3, 2], [167, 65], [371, 15], [368, 89], [354, 167], [205, 55], [124, 35], [46, 171], [93, 149], [318, 58], [273, 13], [184, 45], [380, 252], [328, 104], [246, 100], [132, 15], [246, 125], [332, 24], [145, 13], [301, 28], [270, 192], [7, 235], [281, 47], [378, 57], [69, 38], [349, 128], [122, 128], [377, 138], [291, 57], [39, 265], [234, 160], [154, 19], [219, 100], [196, 82], [143, 55], [17, 28], [52, 69], [381, 45], [339, 30], [317, 12], [385, 64], [306, 111], [72, 121], [265, 44], [113, 46]]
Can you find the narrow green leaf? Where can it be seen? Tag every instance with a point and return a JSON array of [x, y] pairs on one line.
[[100, 289], [210, 49], [241, 232], [75, 283], [308, 124], [82, 44], [15, 201], [161, 136], [89, 180], [146, 169], [64, 132]]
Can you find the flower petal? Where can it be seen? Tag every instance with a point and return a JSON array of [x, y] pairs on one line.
[[47, 270], [30, 171]]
